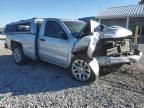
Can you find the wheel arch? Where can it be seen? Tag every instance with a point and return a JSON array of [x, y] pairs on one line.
[[15, 43], [80, 53]]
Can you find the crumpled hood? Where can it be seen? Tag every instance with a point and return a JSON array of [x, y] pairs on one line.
[[94, 32], [116, 32], [106, 32]]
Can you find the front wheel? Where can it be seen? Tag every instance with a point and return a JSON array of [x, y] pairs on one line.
[[81, 70]]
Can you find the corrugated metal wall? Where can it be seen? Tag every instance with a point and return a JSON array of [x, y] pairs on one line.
[[110, 22], [137, 22], [133, 22]]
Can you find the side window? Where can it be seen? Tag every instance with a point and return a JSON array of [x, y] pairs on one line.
[[53, 29], [24, 27]]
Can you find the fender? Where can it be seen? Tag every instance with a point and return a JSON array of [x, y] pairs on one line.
[[94, 66], [87, 43], [88, 40]]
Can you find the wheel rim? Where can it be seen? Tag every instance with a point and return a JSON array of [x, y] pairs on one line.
[[17, 55], [81, 70]]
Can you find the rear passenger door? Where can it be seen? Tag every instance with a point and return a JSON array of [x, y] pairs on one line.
[[53, 45]]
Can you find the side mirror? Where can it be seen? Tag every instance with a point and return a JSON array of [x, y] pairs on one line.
[[63, 35]]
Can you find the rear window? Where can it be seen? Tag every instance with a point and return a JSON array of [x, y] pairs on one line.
[[22, 27]]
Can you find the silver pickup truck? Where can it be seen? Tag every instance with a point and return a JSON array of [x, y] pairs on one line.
[[81, 47]]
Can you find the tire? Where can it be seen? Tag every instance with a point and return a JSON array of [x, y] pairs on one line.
[[18, 55], [81, 70]]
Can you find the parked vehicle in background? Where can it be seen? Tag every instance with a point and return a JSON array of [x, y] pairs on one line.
[[82, 47], [2, 37]]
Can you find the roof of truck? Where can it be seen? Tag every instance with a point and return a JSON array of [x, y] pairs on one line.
[[21, 21], [41, 19], [63, 19]]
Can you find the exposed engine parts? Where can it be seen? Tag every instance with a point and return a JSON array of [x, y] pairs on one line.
[[114, 47]]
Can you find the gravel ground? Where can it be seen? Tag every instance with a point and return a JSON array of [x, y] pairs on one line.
[[42, 85]]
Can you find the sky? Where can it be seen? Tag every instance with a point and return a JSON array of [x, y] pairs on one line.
[[14, 10]]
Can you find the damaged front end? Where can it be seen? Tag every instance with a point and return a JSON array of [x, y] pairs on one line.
[[116, 47], [108, 45]]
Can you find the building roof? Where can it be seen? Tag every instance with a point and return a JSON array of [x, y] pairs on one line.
[[123, 11]]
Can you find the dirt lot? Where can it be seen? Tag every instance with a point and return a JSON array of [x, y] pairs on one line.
[[41, 85]]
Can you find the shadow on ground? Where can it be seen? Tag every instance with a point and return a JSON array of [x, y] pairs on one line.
[[34, 77]]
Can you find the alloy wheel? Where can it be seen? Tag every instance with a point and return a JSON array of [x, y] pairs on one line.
[[81, 70], [17, 55]]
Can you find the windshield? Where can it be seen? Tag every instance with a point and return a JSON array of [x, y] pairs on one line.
[[75, 26]]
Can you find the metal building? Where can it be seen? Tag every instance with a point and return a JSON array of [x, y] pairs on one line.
[[141, 2], [125, 16]]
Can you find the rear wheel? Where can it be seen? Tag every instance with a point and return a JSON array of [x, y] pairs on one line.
[[81, 70], [18, 55]]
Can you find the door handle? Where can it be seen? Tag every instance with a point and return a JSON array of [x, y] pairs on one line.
[[42, 39]]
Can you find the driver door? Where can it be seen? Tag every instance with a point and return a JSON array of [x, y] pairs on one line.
[[54, 44]]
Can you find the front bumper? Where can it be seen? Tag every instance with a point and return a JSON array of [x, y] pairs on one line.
[[105, 61]]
